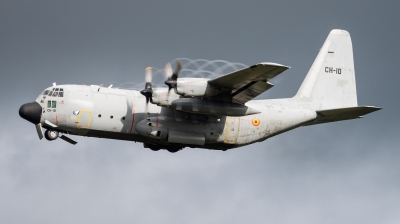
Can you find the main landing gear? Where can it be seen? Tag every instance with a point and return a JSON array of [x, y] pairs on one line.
[[51, 134], [171, 149]]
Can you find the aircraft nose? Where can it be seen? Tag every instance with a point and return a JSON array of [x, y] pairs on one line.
[[31, 112]]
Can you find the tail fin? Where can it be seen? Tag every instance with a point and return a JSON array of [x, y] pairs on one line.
[[330, 82]]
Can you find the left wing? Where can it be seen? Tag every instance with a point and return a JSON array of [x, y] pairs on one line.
[[246, 84]]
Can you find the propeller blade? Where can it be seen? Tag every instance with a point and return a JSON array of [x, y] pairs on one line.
[[171, 81], [168, 70], [148, 91], [39, 130], [178, 67], [68, 139], [149, 75]]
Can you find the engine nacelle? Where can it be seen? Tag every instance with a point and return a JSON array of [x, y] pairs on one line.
[[196, 87], [163, 97]]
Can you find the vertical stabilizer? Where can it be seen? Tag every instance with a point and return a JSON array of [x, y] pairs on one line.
[[330, 82]]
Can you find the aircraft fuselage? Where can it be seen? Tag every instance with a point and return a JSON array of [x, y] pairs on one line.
[[95, 111]]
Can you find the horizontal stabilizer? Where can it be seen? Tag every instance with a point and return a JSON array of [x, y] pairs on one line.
[[325, 116]]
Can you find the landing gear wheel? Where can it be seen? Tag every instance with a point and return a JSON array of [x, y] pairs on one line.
[[51, 135], [173, 150], [154, 148]]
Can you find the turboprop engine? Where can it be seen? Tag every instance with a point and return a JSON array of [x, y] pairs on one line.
[[188, 87], [196, 87], [163, 97]]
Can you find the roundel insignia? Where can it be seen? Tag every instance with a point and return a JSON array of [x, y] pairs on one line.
[[255, 121]]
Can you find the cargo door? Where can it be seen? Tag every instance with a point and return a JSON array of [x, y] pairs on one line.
[[231, 130]]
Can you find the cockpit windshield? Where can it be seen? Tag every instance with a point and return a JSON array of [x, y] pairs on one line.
[[56, 92]]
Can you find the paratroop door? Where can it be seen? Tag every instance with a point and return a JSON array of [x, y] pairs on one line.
[[231, 129], [84, 119]]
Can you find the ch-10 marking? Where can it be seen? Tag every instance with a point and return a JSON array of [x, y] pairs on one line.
[[333, 70], [218, 114]]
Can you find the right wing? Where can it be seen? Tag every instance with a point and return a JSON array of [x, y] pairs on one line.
[[245, 84]]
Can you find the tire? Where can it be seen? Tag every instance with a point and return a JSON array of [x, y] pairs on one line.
[[173, 150], [154, 148], [51, 135]]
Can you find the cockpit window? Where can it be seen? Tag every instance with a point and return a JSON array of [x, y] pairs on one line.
[[56, 89], [55, 94], [46, 92], [61, 89], [61, 94], [50, 93], [51, 104]]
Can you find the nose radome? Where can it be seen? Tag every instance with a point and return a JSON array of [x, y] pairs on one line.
[[31, 112]]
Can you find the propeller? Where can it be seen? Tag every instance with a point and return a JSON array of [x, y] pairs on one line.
[[172, 75], [148, 91], [39, 130]]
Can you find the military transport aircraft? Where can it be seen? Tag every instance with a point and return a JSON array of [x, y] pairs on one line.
[[214, 113]]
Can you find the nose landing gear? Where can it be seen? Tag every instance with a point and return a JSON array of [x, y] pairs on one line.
[[51, 134]]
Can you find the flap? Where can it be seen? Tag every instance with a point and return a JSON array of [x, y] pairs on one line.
[[250, 91]]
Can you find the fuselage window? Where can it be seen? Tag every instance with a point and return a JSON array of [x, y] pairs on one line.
[[55, 94], [61, 94]]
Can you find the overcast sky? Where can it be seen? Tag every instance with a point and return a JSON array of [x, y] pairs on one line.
[[344, 172]]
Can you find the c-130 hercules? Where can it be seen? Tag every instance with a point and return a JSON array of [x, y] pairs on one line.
[[204, 113]]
